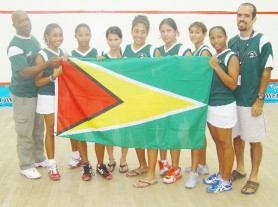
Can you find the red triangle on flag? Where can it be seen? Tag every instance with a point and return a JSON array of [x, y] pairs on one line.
[[85, 105]]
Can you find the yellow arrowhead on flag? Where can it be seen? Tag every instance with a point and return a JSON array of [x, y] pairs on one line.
[[141, 102]]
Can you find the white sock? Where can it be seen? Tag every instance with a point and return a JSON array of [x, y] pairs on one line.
[[75, 155], [51, 162]]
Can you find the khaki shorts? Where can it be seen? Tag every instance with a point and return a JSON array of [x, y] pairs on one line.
[[250, 129]]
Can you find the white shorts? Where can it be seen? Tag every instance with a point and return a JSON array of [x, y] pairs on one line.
[[46, 104], [250, 129], [222, 116]]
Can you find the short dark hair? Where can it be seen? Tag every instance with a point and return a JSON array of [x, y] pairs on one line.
[[80, 26], [220, 28], [254, 13], [200, 25], [114, 30]]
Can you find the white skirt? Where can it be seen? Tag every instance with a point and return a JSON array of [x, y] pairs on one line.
[[222, 116], [46, 104]]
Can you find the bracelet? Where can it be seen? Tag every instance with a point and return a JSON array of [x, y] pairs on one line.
[[51, 78]]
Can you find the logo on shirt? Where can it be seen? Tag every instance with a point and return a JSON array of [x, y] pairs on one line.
[[252, 54], [29, 54], [142, 55]]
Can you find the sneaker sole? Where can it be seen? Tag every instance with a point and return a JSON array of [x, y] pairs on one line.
[[172, 181], [29, 176], [163, 174], [106, 178], [219, 191], [203, 173], [55, 179], [76, 166], [190, 187], [208, 183], [86, 179]]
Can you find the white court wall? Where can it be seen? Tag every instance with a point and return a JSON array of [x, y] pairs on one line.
[[99, 15]]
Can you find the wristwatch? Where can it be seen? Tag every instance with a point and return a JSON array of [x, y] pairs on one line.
[[260, 97]]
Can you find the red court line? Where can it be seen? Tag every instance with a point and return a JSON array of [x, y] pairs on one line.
[[136, 12], [4, 83]]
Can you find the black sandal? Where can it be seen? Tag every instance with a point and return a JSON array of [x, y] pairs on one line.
[[111, 167], [121, 169]]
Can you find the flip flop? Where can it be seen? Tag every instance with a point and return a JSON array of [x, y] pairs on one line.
[[121, 169], [143, 183], [235, 175], [250, 185], [111, 166], [134, 172]]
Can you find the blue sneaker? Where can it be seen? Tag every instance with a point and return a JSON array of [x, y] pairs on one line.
[[220, 186], [211, 179]]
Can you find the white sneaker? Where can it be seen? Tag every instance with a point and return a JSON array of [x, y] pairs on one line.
[[30, 173], [201, 169], [75, 162], [192, 180], [42, 164]]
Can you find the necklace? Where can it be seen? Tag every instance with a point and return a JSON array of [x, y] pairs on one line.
[[245, 49]]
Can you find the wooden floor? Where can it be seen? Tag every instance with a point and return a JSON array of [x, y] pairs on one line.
[[16, 190]]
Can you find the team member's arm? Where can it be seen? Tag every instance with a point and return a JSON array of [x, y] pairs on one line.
[[39, 79], [230, 79], [257, 107], [18, 58], [206, 53], [34, 70]]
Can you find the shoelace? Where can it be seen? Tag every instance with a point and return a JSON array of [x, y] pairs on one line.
[[191, 177], [162, 165], [88, 170], [53, 169], [171, 172], [103, 170]]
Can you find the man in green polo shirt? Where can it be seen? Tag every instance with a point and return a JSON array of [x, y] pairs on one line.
[[29, 125], [256, 62]]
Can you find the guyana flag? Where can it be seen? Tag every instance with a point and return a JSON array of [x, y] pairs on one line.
[[153, 103]]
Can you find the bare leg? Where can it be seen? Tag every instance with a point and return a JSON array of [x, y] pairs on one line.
[[82, 146], [175, 156], [124, 154], [110, 152], [99, 150], [74, 145], [239, 146], [224, 138], [256, 158], [150, 176], [218, 149], [142, 159], [195, 157], [163, 154], [220, 155], [152, 159], [49, 136], [203, 154], [142, 164]]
